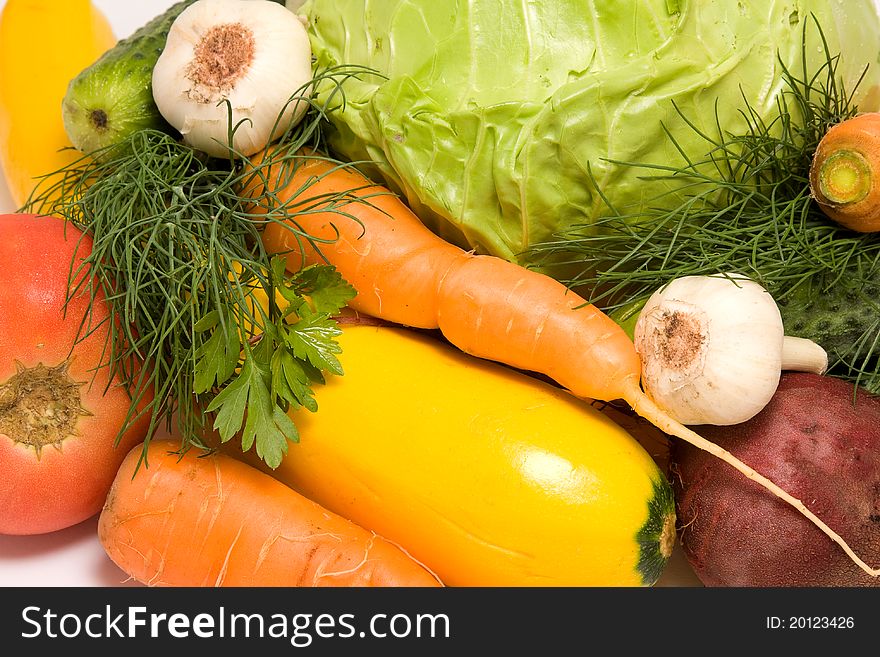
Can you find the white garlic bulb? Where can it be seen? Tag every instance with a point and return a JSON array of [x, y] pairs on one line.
[[253, 53], [713, 349]]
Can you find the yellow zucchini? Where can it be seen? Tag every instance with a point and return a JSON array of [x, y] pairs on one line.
[[43, 44], [487, 476]]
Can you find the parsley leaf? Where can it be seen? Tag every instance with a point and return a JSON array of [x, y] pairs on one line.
[[292, 382], [311, 340], [294, 344], [247, 400], [327, 291], [218, 356]]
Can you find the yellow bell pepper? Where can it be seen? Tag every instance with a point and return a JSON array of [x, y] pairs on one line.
[[43, 45], [487, 476]]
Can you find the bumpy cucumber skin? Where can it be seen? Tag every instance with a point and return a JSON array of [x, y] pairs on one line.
[[119, 84], [844, 320]]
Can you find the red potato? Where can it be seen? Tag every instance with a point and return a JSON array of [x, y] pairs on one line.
[[59, 415], [815, 442]]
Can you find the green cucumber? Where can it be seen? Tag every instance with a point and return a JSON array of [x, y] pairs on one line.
[[113, 98], [844, 318]]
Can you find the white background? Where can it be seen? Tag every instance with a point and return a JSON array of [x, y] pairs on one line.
[[74, 557]]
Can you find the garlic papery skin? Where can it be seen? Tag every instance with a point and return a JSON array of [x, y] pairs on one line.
[[255, 54], [711, 349]]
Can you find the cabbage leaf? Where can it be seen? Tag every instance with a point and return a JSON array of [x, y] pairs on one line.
[[502, 123]]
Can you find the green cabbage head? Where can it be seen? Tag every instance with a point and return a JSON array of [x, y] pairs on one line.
[[492, 117]]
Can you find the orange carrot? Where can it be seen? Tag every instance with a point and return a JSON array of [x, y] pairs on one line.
[[484, 305], [215, 521], [845, 173]]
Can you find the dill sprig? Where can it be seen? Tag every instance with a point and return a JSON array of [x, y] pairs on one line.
[[200, 339], [745, 206]]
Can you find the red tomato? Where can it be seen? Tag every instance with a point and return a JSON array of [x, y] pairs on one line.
[[58, 418]]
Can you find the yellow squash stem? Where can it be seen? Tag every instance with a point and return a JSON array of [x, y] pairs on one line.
[[644, 406]]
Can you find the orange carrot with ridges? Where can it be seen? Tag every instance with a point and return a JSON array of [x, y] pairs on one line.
[[484, 305], [216, 521]]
